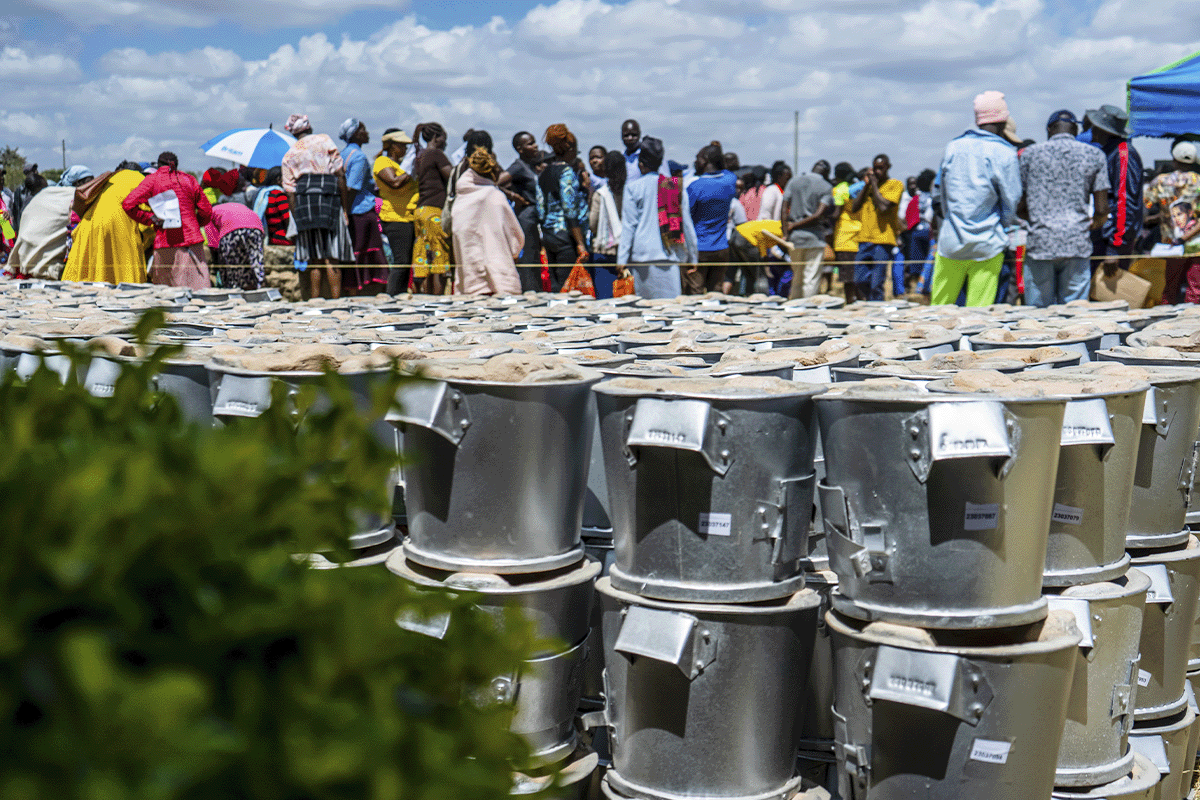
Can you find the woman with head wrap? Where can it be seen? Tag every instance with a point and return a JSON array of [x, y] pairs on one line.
[[43, 239], [398, 191], [314, 179], [487, 235], [656, 227], [431, 255], [179, 255], [371, 273], [109, 245], [604, 221], [562, 206]]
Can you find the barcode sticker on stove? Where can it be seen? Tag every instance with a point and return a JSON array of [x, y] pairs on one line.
[[1068, 515], [981, 516], [990, 751], [716, 524], [1143, 678]]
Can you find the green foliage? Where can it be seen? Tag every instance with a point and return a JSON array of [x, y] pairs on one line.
[[52, 176], [160, 641], [14, 164]]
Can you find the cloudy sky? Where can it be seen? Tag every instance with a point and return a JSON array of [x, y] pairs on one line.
[[127, 78]]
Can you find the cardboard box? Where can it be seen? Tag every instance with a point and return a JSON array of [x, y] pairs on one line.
[[1123, 285]]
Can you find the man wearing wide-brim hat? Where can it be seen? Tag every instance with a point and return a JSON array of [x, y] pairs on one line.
[[1125, 208]]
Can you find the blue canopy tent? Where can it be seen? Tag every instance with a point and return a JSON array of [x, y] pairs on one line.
[[1166, 102]]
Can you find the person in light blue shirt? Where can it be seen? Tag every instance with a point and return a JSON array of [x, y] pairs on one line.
[[655, 266], [365, 231], [631, 137], [980, 189], [710, 194]]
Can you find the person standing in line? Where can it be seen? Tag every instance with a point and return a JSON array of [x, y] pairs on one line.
[[1116, 237], [596, 173], [314, 178], [878, 209], [631, 137], [709, 198], [604, 221], [918, 219], [751, 194], [980, 186], [236, 234], [656, 227], [522, 192], [487, 236], [370, 274], [271, 206], [771, 202], [806, 206], [1166, 191], [110, 245], [179, 257], [398, 190], [562, 207], [732, 162], [431, 255], [1061, 176], [846, 225]]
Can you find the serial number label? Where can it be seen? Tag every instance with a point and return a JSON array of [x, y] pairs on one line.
[[716, 524], [1068, 515], [981, 516], [990, 751]]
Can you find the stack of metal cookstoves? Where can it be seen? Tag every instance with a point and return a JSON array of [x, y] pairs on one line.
[[951, 678], [1166, 725], [707, 625], [494, 488]]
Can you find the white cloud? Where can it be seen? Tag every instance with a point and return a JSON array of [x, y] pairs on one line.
[[258, 15], [1156, 20], [17, 64], [893, 75]]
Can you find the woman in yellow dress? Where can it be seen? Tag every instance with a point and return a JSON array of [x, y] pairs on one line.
[[108, 245]]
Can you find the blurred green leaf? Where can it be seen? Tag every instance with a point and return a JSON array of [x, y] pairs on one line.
[[160, 641]]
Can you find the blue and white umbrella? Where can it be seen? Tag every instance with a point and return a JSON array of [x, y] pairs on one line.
[[252, 147]]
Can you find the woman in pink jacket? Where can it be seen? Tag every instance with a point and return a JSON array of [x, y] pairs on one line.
[[179, 257]]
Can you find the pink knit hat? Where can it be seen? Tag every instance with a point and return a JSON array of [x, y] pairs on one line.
[[990, 107]]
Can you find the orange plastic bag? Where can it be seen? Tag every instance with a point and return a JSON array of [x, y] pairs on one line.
[[580, 280], [623, 285]]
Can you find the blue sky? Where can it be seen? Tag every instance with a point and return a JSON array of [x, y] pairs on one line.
[[127, 78]]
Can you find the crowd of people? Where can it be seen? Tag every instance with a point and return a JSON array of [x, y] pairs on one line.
[[1000, 217]]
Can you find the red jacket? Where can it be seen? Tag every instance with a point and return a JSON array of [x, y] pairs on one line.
[[194, 209]]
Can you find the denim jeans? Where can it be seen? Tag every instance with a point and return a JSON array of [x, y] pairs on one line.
[[869, 277], [1053, 281]]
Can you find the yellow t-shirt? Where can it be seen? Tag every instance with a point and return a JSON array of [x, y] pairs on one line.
[[845, 235], [881, 228], [398, 204]]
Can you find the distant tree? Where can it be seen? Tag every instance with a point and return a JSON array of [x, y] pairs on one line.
[[52, 175], [14, 164]]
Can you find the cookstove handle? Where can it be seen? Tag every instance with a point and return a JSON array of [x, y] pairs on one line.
[[959, 429], [672, 637], [690, 425], [937, 681], [435, 405], [101, 377], [1086, 422], [244, 395], [1157, 411]]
